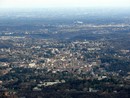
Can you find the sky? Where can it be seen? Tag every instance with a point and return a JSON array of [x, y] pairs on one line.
[[62, 3]]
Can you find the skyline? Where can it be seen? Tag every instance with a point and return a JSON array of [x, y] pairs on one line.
[[62, 3]]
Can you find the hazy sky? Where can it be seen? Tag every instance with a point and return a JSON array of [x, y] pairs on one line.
[[63, 3]]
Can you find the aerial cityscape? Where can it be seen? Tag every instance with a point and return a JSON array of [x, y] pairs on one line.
[[65, 53]]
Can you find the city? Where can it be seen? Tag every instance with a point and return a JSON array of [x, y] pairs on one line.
[[63, 55]]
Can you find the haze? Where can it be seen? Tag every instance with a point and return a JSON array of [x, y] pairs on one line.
[[62, 3]]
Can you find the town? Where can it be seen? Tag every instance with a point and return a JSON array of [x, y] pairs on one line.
[[93, 59]]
